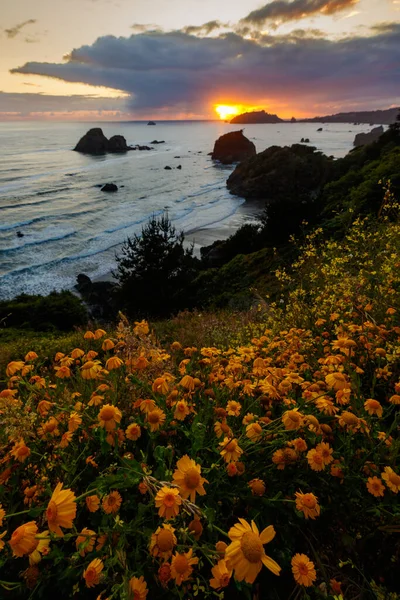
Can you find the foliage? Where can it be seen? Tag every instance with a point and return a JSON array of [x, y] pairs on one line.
[[57, 311], [307, 406], [153, 270]]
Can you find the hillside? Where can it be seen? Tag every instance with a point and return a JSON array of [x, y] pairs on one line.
[[373, 117], [256, 117]]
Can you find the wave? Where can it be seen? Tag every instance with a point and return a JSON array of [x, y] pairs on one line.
[[12, 226], [55, 190], [38, 243]]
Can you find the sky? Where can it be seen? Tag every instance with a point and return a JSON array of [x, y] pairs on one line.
[[176, 59]]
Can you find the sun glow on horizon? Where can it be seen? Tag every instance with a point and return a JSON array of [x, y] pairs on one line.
[[226, 111]]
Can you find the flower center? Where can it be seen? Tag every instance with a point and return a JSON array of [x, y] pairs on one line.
[[309, 501], [231, 447], [192, 478], [90, 574], [303, 569], [165, 540], [394, 478], [181, 564], [169, 499], [224, 580], [107, 413], [51, 511], [251, 547], [153, 417]]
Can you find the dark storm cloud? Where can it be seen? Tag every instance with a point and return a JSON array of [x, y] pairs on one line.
[[14, 31], [282, 10], [187, 72]]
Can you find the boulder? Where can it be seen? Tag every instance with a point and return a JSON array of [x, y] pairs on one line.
[[167, 168], [158, 142], [362, 139], [179, 167], [109, 187], [117, 144], [93, 142], [233, 147], [320, 129], [151, 123], [289, 173]]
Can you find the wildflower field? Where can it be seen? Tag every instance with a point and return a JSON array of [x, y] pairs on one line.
[[264, 469]]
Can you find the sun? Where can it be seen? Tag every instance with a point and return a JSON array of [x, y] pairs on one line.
[[225, 111]]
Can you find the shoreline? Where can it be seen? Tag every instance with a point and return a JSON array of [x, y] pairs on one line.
[[247, 212]]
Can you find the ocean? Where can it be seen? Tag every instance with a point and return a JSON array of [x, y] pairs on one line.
[[50, 194]]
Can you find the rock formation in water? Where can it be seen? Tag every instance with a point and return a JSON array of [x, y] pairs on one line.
[[93, 142], [117, 144], [362, 139], [233, 147], [294, 172], [109, 187]]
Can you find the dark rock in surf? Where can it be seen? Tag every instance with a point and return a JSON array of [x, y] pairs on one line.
[[179, 167], [20, 234], [109, 187], [158, 142], [117, 144], [93, 142], [233, 147], [151, 123], [167, 168]]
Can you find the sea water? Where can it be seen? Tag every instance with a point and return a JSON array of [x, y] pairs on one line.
[[51, 195]]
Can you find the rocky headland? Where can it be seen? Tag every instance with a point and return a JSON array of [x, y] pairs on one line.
[[256, 117]]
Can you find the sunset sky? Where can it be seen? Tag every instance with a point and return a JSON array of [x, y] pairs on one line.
[[118, 59]]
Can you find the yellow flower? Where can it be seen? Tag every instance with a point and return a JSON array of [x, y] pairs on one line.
[[112, 502], [91, 369], [254, 432], [155, 419], [373, 407], [163, 541], [63, 372], [391, 479], [187, 477], [20, 451], [114, 363], [23, 540], [233, 408], [14, 366], [85, 541], [77, 353], [138, 587], [141, 328], [336, 381], [308, 505], [246, 553], [31, 356], [325, 451], [315, 460], [231, 451], [89, 335], [221, 575], [168, 501], [133, 432], [303, 570], [99, 333], [181, 410], [107, 345], [93, 503], [92, 574], [42, 547], [109, 416], [292, 419], [61, 510], [181, 566], [375, 486], [74, 421]]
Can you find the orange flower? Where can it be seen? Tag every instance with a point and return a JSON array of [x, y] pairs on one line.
[[254, 432], [109, 416], [308, 505], [246, 553], [66, 439], [23, 540], [20, 451], [303, 570], [375, 486], [99, 333], [257, 487], [292, 419], [187, 382], [93, 503], [107, 345], [2, 515], [231, 451], [31, 356], [233, 408], [299, 445], [168, 501], [373, 407], [77, 353], [195, 527], [325, 451], [391, 479], [114, 363], [395, 399], [315, 460], [336, 381], [91, 369], [92, 574], [181, 410], [155, 419], [181, 566], [112, 502], [163, 541], [63, 372], [160, 385], [133, 432], [85, 541], [14, 366], [138, 587], [61, 510], [187, 477], [74, 421], [147, 405], [221, 575]]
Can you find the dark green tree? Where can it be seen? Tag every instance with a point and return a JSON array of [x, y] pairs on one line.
[[155, 270]]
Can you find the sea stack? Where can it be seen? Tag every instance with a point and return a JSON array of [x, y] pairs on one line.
[[233, 147], [93, 142]]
